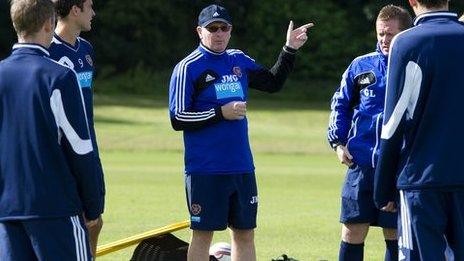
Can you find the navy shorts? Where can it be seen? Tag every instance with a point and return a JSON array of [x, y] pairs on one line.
[[358, 205], [430, 222], [216, 202], [44, 239]]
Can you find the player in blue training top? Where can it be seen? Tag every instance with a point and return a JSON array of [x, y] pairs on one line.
[[207, 100], [421, 130], [74, 17], [48, 184], [354, 133]]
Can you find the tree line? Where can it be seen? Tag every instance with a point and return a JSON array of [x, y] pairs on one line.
[[155, 34]]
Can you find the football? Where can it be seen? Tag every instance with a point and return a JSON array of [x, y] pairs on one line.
[[221, 251]]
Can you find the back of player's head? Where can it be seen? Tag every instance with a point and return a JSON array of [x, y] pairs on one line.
[[433, 3], [393, 12], [28, 16], [63, 7]]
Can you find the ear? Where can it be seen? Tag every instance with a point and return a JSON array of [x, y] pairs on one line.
[[75, 10], [199, 32]]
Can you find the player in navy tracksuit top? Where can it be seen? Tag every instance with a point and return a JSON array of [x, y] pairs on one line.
[[354, 132], [75, 52], [421, 135], [207, 100], [47, 167], [80, 58]]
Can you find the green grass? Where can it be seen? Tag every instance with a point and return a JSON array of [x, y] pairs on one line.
[[299, 177]]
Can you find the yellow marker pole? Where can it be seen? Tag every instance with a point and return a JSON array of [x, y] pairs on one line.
[[123, 243]]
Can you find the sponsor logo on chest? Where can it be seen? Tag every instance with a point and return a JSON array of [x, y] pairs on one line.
[[229, 87], [85, 79]]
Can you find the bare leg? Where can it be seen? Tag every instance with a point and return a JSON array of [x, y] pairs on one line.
[[243, 246], [199, 245], [354, 233]]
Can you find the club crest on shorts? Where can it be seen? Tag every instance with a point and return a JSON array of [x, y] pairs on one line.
[[237, 71], [195, 209], [89, 59]]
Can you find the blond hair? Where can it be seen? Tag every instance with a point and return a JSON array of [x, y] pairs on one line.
[[28, 16], [393, 12]]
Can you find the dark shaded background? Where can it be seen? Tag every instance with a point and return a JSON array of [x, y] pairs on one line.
[[153, 35]]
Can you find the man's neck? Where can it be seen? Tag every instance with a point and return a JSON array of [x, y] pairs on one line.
[[67, 33], [422, 10], [35, 39]]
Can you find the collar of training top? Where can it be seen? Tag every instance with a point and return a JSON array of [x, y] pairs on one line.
[[434, 15], [31, 48]]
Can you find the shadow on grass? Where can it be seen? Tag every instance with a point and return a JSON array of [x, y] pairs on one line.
[[260, 102], [296, 95], [108, 120]]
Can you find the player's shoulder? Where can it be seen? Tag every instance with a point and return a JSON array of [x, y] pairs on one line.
[[366, 57], [59, 70], [404, 39], [192, 58], [365, 62], [237, 53], [55, 44], [84, 43]]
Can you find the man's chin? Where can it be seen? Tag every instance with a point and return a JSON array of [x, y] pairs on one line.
[[219, 49]]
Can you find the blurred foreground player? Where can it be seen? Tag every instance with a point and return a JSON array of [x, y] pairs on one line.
[[47, 166], [68, 48], [420, 134]]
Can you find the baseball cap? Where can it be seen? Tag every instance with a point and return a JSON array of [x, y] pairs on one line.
[[213, 13]]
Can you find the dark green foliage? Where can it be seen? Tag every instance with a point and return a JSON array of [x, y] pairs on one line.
[[153, 35], [7, 35]]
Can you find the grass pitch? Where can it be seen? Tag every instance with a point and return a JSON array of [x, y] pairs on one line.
[[299, 178]]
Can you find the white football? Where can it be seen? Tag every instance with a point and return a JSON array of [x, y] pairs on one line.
[[221, 251]]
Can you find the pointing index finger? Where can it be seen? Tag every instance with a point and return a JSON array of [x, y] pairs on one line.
[[306, 26]]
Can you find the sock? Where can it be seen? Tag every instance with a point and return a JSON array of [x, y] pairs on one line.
[[351, 252], [391, 252]]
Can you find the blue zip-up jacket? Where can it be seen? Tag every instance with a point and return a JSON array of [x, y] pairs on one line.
[[357, 108], [80, 58], [47, 166], [423, 126], [203, 82]]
